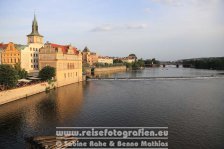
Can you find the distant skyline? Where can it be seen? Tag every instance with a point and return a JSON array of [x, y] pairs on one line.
[[161, 29]]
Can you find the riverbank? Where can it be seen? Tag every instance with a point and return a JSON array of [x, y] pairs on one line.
[[10, 95], [22, 92]]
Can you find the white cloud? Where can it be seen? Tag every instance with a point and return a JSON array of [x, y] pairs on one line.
[[136, 26], [147, 10], [103, 28], [186, 2], [108, 27]]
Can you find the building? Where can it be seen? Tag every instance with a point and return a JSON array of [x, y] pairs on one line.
[[89, 57], [129, 59], [105, 60], [2, 47], [10, 54], [66, 59], [30, 53]]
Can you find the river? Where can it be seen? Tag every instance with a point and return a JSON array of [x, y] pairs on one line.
[[191, 108]]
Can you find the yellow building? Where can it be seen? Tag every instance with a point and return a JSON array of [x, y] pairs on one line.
[[89, 57], [10, 54], [66, 59], [105, 60]]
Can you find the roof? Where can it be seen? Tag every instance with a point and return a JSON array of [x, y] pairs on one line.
[[105, 57], [132, 55], [86, 49], [3, 46], [20, 46], [64, 48], [34, 28]]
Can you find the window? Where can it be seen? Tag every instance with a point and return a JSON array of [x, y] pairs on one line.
[[65, 75], [76, 74]]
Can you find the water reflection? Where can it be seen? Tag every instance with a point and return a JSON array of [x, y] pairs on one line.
[[69, 101], [192, 109], [39, 114]]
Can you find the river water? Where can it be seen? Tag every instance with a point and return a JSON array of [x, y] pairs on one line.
[[191, 108]]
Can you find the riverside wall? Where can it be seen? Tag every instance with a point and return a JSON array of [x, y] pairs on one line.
[[22, 92], [106, 69], [110, 69], [17, 93]]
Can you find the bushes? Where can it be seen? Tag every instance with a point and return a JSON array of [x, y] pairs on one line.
[[47, 73], [8, 76]]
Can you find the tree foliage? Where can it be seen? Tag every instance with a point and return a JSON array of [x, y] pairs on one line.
[[47, 73], [205, 63], [21, 72], [8, 76]]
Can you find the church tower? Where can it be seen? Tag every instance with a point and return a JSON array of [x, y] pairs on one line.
[[34, 36]]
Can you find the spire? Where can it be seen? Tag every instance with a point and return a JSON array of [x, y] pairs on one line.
[[34, 27]]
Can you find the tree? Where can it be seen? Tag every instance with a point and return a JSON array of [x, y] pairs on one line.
[[117, 61], [21, 72], [8, 76], [47, 73]]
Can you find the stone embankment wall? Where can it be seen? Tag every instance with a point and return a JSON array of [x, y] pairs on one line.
[[110, 69], [106, 69], [17, 93]]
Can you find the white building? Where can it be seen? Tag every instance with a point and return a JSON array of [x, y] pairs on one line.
[[30, 53], [105, 59]]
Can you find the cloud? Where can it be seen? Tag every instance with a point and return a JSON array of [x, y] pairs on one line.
[[137, 26], [185, 2], [108, 27], [169, 2], [147, 10], [103, 28]]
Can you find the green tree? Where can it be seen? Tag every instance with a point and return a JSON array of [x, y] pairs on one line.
[[8, 76], [117, 61], [47, 73], [21, 72]]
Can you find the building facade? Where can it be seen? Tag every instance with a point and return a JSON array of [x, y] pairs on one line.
[[10, 54], [66, 59], [89, 57], [2, 47], [131, 58], [105, 60]]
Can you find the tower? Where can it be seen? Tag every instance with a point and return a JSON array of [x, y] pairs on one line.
[[34, 36]]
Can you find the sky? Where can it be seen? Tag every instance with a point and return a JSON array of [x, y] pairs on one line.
[[161, 29]]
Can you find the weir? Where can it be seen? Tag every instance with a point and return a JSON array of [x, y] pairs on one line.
[[156, 78]]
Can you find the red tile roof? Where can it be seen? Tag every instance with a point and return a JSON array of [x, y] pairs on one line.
[[64, 48], [2, 46]]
